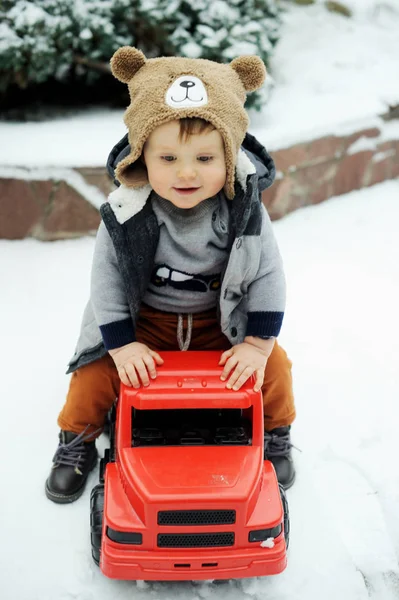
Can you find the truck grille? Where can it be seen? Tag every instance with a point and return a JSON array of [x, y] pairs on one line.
[[197, 517], [194, 540]]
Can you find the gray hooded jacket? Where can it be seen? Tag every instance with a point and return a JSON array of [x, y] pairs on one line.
[[252, 293]]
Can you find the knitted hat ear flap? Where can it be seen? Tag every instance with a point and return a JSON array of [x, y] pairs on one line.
[[251, 70], [132, 172], [126, 62]]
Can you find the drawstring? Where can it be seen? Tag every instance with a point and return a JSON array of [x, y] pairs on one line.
[[184, 344]]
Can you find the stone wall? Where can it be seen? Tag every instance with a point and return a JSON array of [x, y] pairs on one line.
[[312, 172], [64, 204], [51, 209]]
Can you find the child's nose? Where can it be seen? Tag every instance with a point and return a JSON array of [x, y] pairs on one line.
[[186, 172]]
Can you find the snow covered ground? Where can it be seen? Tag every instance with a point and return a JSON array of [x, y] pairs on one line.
[[332, 75], [341, 330]]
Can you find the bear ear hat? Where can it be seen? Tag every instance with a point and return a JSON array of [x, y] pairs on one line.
[[251, 70], [126, 62]]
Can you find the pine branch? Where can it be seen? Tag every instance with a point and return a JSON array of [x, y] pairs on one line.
[[103, 67]]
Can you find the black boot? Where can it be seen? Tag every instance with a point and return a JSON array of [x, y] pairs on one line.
[[278, 451], [72, 463]]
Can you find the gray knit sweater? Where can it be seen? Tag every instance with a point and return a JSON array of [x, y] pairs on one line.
[[191, 255]]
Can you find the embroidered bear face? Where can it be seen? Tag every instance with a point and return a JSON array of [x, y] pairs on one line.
[[169, 88], [186, 91]]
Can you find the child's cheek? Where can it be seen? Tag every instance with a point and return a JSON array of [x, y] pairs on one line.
[[218, 176], [155, 175]]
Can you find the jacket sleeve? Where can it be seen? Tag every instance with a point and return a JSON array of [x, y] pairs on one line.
[[108, 295], [266, 293]]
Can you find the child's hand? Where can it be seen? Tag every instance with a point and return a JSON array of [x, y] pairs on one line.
[[135, 361], [246, 359]]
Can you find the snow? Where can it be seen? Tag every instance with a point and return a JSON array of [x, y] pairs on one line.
[[388, 131], [331, 70], [340, 331], [333, 75], [369, 8], [220, 10], [86, 34], [8, 38], [26, 15], [84, 139], [269, 543]]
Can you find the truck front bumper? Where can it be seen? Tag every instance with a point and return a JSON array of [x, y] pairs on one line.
[[118, 562]]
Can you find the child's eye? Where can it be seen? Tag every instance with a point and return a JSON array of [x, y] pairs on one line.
[[168, 158], [205, 158]]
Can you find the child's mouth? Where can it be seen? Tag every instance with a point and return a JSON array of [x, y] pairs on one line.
[[186, 191]]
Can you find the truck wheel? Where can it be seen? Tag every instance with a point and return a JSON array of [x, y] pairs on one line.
[[96, 521], [284, 502]]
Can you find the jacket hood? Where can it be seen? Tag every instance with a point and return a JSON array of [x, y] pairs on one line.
[[258, 155]]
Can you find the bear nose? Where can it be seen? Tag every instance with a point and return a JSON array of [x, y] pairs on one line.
[[187, 84]]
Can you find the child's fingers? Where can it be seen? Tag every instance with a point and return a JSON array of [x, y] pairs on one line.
[[231, 363], [259, 379], [150, 364], [158, 358], [140, 367], [225, 356], [132, 375], [239, 377], [123, 377]]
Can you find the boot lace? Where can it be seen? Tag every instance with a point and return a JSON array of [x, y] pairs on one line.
[[277, 444], [73, 453]]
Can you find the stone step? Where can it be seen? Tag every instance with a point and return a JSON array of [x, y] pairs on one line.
[[51, 204]]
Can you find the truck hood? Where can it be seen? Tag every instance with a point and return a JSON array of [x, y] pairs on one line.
[[192, 471]]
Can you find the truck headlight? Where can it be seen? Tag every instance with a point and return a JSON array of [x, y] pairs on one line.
[[124, 537], [260, 535]]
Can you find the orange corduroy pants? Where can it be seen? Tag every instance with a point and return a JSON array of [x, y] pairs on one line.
[[94, 387]]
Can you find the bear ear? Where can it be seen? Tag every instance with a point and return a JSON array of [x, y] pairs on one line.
[[126, 62], [251, 70]]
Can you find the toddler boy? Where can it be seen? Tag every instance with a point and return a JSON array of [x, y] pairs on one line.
[[185, 256]]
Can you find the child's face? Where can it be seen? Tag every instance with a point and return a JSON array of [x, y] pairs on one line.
[[185, 173]]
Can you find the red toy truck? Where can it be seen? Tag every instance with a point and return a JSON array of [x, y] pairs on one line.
[[185, 492]]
